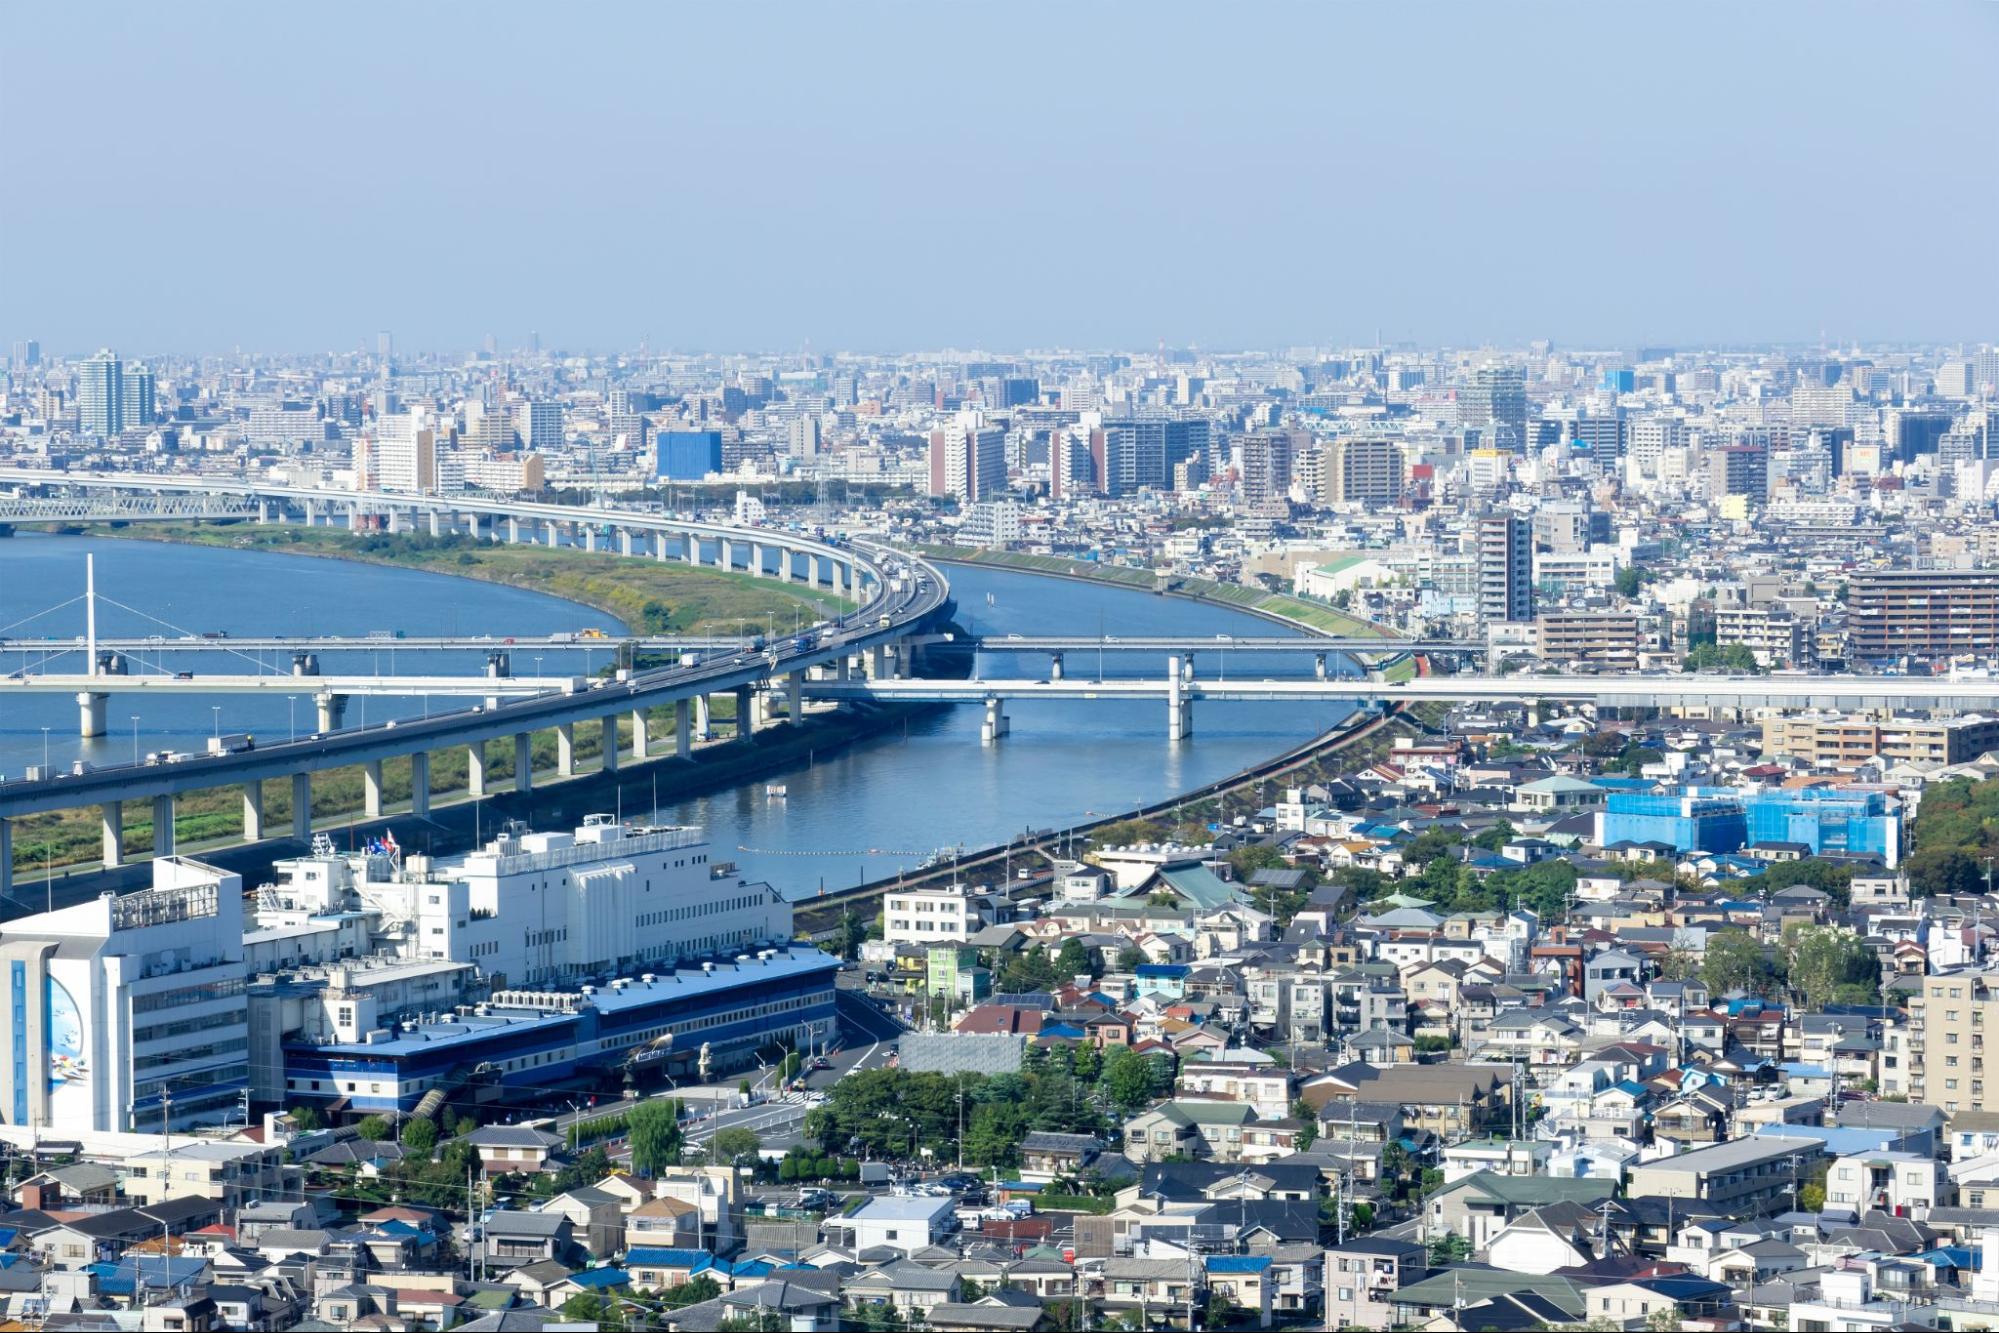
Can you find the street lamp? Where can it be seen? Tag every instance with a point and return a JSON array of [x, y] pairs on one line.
[[216, 711], [537, 667], [135, 740], [45, 753], [291, 714]]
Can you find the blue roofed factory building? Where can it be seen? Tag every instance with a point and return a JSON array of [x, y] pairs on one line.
[[534, 1038]]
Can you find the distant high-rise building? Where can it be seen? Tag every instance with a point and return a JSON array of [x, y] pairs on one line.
[[1075, 457], [805, 435], [1505, 568], [385, 347], [100, 395], [1912, 431], [968, 460], [1955, 379], [1600, 437], [1496, 399], [1364, 469], [1739, 469], [137, 397], [27, 354], [688, 455], [1266, 467], [539, 421], [1141, 453]]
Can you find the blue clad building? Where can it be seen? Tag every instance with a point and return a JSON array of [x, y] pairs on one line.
[[1826, 820], [689, 455]]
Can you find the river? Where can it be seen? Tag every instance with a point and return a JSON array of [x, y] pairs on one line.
[[859, 813]]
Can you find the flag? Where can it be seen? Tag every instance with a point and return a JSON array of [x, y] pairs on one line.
[[389, 840]]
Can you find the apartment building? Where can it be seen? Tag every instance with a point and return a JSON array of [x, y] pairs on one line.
[[1945, 1042], [1841, 740], [1605, 637], [1742, 1177], [929, 916], [1777, 637], [1923, 613]]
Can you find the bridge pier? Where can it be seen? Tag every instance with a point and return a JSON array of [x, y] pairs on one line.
[[513, 530], [995, 725], [703, 722], [683, 728], [472, 526], [302, 807], [691, 548], [565, 749], [1054, 666], [589, 537], [371, 789], [641, 740], [393, 521], [877, 663], [332, 711], [758, 554], [6, 857], [838, 578], [1319, 666], [608, 752], [263, 511], [624, 541], [111, 819], [523, 763], [1179, 709], [794, 696], [475, 769], [420, 784], [553, 536], [253, 812], [746, 720], [312, 513], [90, 713], [436, 524], [163, 824], [659, 546]]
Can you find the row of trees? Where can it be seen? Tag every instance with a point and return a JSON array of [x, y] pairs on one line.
[[1812, 966], [897, 1113]]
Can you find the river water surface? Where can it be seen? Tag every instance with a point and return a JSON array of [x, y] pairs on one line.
[[862, 812]]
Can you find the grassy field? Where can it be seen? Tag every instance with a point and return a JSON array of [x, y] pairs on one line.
[[1315, 614], [649, 596]]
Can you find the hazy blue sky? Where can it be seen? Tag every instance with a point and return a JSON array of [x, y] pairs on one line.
[[194, 176]]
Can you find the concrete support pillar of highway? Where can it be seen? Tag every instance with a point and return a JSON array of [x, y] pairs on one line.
[[565, 749], [1054, 666], [1179, 713], [589, 537], [90, 707], [784, 571], [311, 512], [6, 857], [794, 696], [420, 784], [514, 530], [305, 664], [332, 711], [1319, 666], [253, 812], [354, 518], [472, 526], [523, 763], [163, 824], [475, 769], [659, 545], [554, 535], [758, 554], [877, 662], [394, 521], [683, 728], [302, 807], [436, 523], [995, 725], [746, 717], [263, 511], [371, 789], [608, 751], [641, 736], [624, 541], [836, 575], [703, 723], [111, 818], [690, 547]]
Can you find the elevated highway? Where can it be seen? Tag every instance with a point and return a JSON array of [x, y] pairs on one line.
[[901, 597]]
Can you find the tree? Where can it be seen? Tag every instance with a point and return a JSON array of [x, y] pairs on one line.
[[420, 1137], [1721, 657], [307, 1118], [1942, 870], [737, 1142], [1734, 961], [1822, 960], [1308, 1133], [692, 1292], [1126, 1079], [1449, 1248], [1130, 958], [373, 1128], [1078, 959], [1222, 1309], [1629, 580], [654, 1130]]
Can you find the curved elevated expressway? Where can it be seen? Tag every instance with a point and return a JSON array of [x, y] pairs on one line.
[[900, 597]]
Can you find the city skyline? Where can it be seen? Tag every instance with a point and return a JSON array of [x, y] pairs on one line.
[[1312, 177]]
